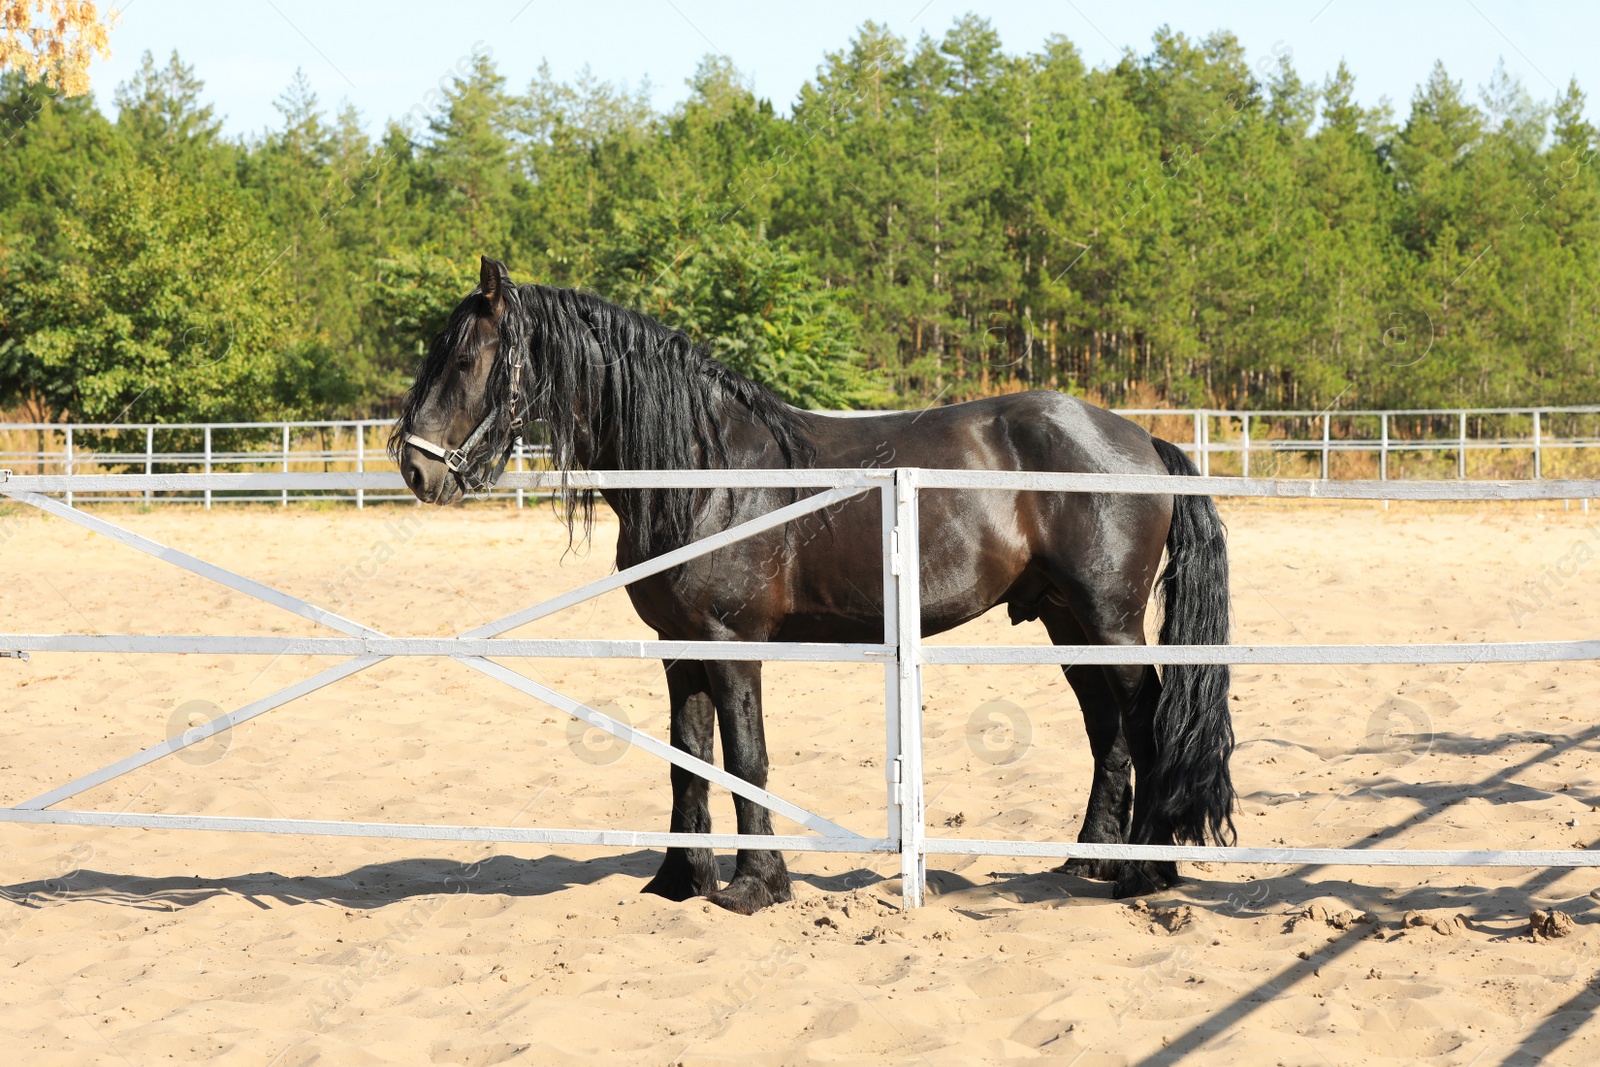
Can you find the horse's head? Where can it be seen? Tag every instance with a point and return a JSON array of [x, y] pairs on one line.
[[462, 412]]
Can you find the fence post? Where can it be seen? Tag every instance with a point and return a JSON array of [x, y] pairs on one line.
[[1244, 446], [208, 464], [69, 463], [283, 499], [1461, 448], [891, 667], [908, 670], [1538, 451], [1327, 419], [361, 463], [149, 455], [1199, 436], [1205, 437], [522, 465], [1383, 447], [1383, 452]]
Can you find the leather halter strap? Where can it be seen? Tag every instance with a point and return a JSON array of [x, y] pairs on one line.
[[456, 458]]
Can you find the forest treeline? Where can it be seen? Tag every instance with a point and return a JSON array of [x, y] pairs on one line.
[[933, 220]]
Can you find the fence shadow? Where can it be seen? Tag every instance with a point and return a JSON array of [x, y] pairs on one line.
[[370, 886], [375, 885], [1500, 912]]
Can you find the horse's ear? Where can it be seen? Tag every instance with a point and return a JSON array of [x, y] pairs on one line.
[[493, 280]]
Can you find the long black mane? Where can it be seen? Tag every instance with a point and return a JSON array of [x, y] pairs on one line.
[[613, 388]]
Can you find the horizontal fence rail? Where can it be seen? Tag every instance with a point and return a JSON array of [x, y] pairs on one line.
[[1029, 481], [1381, 445], [901, 653], [628, 839], [1457, 652], [289, 448]]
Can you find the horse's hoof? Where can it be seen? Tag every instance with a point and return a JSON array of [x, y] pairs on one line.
[[1096, 870], [747, 895], [1143, 879], [681, 883]]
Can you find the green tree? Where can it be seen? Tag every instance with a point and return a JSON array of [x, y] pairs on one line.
[[411, 295], [942, 216], [749, 300], [168, 309], [469, 158], [162, 117]]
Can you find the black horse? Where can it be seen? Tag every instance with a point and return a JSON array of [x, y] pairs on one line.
[[619, 391]]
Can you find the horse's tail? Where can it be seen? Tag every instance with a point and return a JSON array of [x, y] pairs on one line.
[[1192, 790]]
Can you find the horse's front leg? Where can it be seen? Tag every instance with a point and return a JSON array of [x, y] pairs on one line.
[[759, 876], [688, 872]]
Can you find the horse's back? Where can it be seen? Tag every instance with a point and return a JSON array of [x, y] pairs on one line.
[[1032, 431], [981, 547]]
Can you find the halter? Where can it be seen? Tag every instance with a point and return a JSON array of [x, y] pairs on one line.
[[455, 459]]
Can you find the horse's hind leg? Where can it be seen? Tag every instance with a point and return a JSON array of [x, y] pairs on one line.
[[759, 876], [1143, 688], [1110, 810], [688, 872], [1135, 691], [1110, 611]]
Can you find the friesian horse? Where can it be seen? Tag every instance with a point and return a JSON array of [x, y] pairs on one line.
[[619, 391]]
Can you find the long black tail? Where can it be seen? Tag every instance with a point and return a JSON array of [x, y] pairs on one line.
[[1192, 790]]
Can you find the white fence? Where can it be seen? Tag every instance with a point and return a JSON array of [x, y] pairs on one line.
[[901, 653], [1314, 442], [88, 448]]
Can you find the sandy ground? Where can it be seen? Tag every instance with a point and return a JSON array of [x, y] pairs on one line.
[[125, 946]]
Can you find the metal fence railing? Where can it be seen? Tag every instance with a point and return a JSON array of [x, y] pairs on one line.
[[329, 446], [901, 652], [1498, 443]]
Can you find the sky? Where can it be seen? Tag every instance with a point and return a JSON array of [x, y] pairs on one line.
[[385, 57]]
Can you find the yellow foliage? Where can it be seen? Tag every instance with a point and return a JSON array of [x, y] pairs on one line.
[[54, 40]]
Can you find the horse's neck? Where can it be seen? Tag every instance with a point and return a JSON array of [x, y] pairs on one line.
[[636, 510]]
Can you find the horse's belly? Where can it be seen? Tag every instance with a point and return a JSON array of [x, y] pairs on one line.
[[971, 551]]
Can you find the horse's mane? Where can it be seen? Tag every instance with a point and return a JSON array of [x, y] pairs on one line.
[[607, 380]]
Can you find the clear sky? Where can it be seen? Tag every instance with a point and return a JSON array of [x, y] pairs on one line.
[[383, 57]]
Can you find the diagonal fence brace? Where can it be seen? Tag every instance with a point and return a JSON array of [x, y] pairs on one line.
[[238, 583], [666, 561], [200, 733], [656, 747]]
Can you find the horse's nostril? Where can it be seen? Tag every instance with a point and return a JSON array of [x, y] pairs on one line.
[[412, 473]]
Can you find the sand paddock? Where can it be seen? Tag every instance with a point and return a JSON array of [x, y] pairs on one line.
[[134, 946]]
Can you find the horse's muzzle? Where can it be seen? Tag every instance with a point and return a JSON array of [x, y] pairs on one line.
[[427, 478]]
